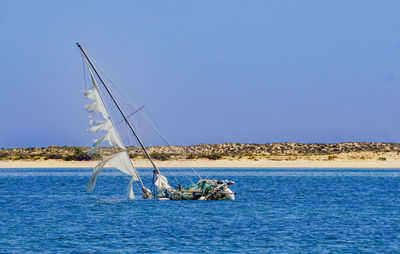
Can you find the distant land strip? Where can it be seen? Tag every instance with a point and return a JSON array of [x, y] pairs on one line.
[[231, 151]]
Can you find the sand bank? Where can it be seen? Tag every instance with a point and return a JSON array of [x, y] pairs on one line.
[[223, 163]]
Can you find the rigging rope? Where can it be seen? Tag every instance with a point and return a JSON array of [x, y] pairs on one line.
[[84, 72], [150, 143], [152, 124], [137, 108]]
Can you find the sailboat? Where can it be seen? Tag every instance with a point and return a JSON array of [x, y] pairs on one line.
[[100, 93]]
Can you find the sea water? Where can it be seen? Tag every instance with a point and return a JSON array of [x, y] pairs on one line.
[[276, 210]]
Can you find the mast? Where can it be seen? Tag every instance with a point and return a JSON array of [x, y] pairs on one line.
[[156, 171]]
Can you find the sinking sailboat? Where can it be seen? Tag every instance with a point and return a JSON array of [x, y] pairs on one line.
[[204, 189]]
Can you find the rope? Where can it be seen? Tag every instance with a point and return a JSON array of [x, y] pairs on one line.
[[119, 93], [145, 138], [84, 72], [151, 122], [167, 168]]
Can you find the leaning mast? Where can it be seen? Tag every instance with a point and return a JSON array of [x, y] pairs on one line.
[[156, 170]]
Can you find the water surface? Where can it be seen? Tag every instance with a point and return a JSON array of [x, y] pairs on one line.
[[276, 210]]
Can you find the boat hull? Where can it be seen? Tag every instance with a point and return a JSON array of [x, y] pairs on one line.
[[203, 190]]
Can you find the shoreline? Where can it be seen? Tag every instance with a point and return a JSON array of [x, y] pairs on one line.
[[222, 163]]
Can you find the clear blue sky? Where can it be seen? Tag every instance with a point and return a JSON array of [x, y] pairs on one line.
[[208, 71]]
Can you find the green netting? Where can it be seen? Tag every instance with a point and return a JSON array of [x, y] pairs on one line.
[[201, 186], [204, 188]]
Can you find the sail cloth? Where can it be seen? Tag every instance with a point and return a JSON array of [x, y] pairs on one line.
[[112, 138], [98, 107], [131, 195], [97, 126], [119, 160], [162, 184]]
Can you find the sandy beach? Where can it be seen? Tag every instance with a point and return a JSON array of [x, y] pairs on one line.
[[223, 163]]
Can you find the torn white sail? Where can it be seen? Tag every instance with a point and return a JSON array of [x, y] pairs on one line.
[[97, 106], [131, 195], [96, 125], [162, 184], [122, 162], [112, 137], [119, 160]]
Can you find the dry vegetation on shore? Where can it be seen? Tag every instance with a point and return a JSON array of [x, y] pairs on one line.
[[228, 151]]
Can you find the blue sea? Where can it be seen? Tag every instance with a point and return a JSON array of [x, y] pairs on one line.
[[275, 211]]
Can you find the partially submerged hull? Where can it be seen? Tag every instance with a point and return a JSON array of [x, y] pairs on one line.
[[203, 190]]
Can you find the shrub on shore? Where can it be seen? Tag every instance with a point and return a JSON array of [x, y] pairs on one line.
[[191, 157], [252, 157], [332, 157], [37, 157], [137, 156], [212, 156], [53, 156], [17, 157], [78, 155], [160, 156]]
